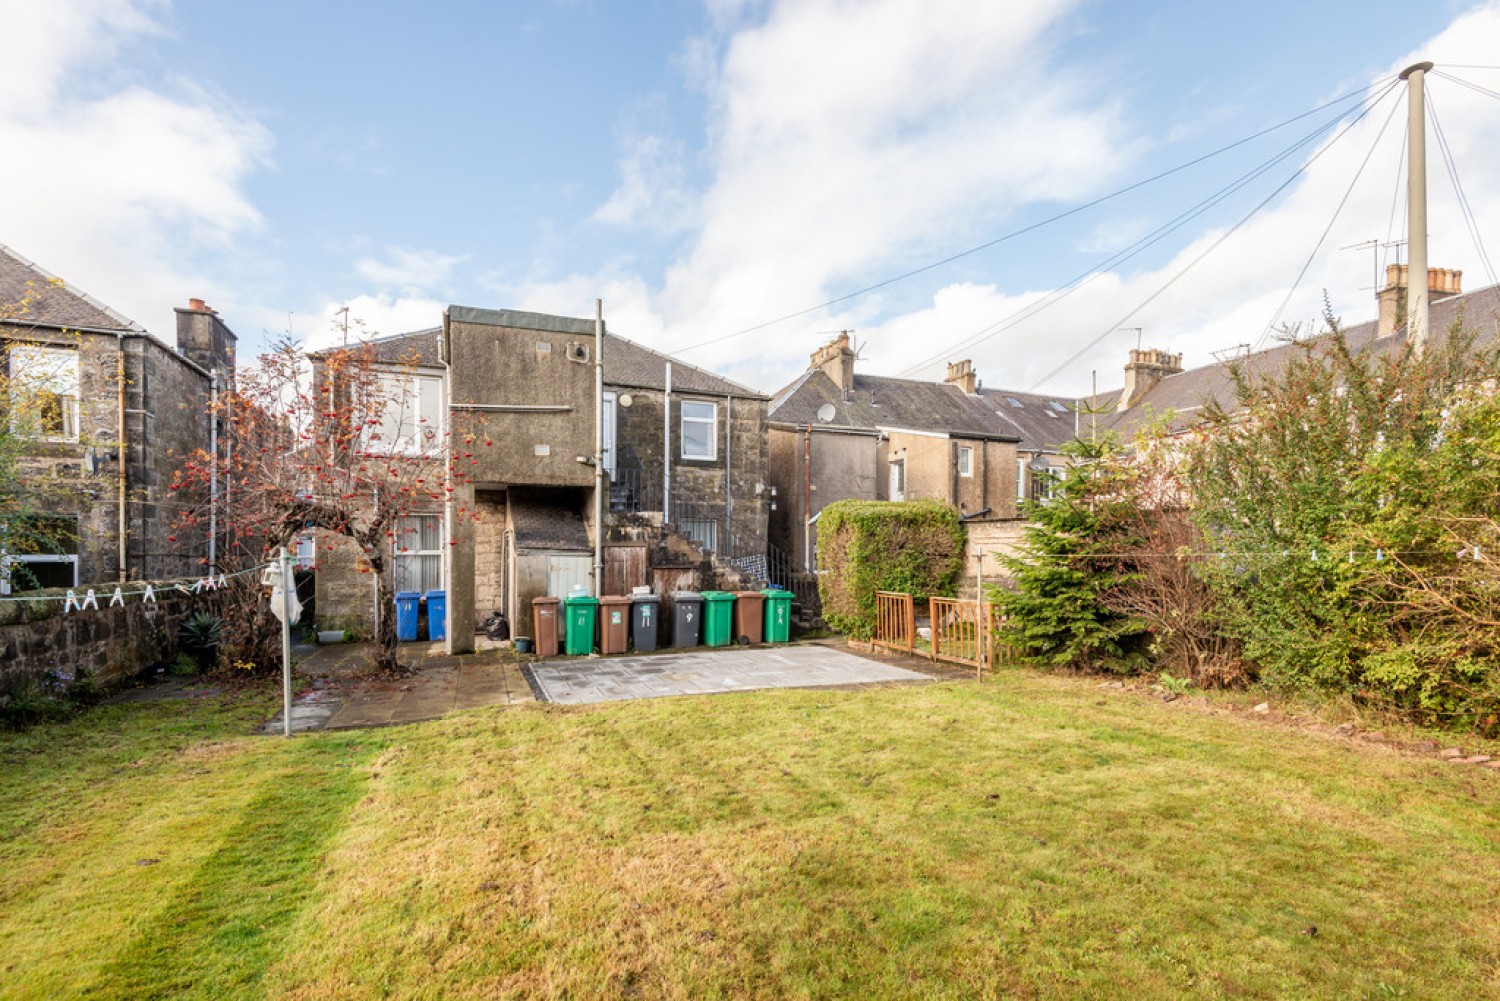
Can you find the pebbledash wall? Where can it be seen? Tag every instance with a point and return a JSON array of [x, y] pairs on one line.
[[37, 637]]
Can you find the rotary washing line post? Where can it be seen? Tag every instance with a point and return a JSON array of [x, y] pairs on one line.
[[285, 561]]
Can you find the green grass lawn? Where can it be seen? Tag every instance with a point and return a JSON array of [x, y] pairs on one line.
[[1028, 837]]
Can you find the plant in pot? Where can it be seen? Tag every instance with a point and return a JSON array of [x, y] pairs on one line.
[[199, 638]]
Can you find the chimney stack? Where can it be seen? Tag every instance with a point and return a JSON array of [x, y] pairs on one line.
[[1442, 283], [204, 339], [1146, 368], [837, 359], [962, 375]]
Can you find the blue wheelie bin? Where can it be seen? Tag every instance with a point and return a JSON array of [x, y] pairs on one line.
[[437, 614], [406, 615]]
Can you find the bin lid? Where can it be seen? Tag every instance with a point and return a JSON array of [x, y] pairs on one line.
[[717, 596], [545, 599], [749, 594], [436, 594], [777, 592], [580, 599], [654, 599], [408, 595], [686, 596], [615, 599]]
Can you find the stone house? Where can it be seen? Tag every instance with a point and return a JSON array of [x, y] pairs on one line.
[[837, 434], [1157, 387], [118, 410], [680, 493]]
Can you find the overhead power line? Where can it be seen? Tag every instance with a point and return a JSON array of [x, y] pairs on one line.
[[1216, 244], [1150, 239], [1034, 226]]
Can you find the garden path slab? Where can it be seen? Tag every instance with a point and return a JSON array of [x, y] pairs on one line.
[[704, 672]]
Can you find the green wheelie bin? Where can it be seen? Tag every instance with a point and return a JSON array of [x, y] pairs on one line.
[[718, 618], [581, 612], [778, 615]]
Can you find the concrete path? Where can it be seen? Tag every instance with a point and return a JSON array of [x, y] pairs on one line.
[[704, 671]]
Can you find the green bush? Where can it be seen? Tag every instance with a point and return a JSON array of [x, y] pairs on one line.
[[868, 546]]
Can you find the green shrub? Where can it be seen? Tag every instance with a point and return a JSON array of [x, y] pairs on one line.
[[868, 546], [200, 636]]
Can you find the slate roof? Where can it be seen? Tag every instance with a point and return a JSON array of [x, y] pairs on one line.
[[1044, 423], [626, 363], [56, 305], [1187, 393], [882, 402]]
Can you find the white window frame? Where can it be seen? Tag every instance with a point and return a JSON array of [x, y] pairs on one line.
[[897, 482], [966, 461], [416, 431], [9, 560], [401, 552], [51, 361], [712, 421], [1021, 473]]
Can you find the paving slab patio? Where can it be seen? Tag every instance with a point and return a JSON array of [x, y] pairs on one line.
[[702, 672]]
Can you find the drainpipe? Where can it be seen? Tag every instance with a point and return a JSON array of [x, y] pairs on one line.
[[213, 470], [599, 470], [728, 463], [807, 519], [666, 451], [124, 458]]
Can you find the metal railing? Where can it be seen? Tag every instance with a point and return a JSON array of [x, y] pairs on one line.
[[631, 491]]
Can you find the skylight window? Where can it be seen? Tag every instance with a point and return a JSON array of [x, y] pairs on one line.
[[1014, 402], [1057, 406]]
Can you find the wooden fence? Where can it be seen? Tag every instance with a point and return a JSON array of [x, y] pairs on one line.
[[963, 631], [895, 621]]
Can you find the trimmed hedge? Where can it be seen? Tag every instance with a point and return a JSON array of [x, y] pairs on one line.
[[869, 546]]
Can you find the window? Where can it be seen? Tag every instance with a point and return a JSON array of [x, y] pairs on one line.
[[699, 430], [412, 420], [609, 414], [965, 460], [704, 532], [306, 555], [48, 556], [418, 561], [47, 381], [898, 479], [1020, 480]]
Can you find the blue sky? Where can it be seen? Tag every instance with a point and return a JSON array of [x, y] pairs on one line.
[[705, 167]]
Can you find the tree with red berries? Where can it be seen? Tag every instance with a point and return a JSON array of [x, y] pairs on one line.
[[334, 442]]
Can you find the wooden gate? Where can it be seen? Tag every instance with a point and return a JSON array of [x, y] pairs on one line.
[[895, 621], [624, 568]]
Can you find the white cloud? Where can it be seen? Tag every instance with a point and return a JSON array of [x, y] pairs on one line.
[[369, 316], [849, 139], [112, 184], [409, 271]]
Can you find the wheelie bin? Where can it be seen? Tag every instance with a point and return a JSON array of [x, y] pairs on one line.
[[406, 615], [614, 624], [778, 615], [645, 620], [718, 618], [544, 625], [687, 618], [437, 614], [581, 611], [749, 616]]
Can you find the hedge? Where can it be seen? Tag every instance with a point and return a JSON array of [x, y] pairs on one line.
[[869, 546]]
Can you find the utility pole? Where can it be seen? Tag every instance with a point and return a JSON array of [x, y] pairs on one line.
[[1416, 207]]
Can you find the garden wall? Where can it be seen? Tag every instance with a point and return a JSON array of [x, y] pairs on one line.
[[111, 643]]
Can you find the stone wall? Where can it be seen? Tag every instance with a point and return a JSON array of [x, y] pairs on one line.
[[111, 643], [989, 538]]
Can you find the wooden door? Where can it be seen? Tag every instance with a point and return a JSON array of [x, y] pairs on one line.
[[624, 568]]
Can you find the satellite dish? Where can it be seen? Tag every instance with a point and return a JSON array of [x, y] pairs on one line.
[[826, 413]]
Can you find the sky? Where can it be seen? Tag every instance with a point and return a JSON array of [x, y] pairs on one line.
[[717, 170]]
